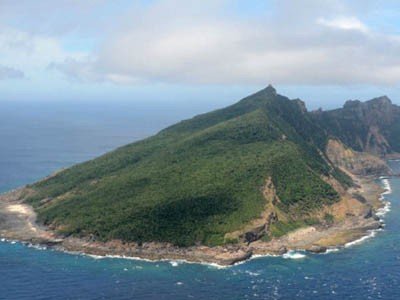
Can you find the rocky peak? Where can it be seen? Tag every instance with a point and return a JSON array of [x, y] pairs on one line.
[[374, 111], [382, 104], [366, 126], [351, 104], [301, 104], [382, 101], [270, 90]]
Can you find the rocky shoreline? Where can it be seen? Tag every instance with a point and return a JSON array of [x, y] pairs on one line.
[[17, 222]]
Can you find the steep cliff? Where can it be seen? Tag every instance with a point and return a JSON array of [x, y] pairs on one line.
[[357, 163], [370, 126]]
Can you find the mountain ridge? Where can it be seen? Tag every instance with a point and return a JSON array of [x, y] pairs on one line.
[[369, 126]]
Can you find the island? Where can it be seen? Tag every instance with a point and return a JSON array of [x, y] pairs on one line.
[[261, 177]]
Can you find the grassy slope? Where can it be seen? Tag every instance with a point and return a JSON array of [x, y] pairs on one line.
[[196, 180]]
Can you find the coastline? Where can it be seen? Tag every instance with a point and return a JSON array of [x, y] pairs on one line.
[[17, 222]]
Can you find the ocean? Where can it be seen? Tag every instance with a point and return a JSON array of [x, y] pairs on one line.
[[39, 138]]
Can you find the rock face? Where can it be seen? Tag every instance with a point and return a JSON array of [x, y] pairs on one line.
[[369, 126], [358, 163], [316, 249], [255, 234], [368, 213], [261, 231]]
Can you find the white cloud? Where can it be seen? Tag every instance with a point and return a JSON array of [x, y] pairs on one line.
[[188, 44], [344, 23], [170, 41], [31, 53]]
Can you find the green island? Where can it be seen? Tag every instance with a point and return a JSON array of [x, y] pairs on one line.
[[201, 181], [262, 176]]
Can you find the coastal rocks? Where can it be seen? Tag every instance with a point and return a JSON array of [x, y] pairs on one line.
[[254, 234], [46, 242], [282, 250], [222, 255], [367, 213], [374, 225], [316, 249], [376, 218], [237, 257]]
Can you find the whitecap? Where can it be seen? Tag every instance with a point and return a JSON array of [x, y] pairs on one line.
[[37, 247], [387, 190], [94, 256], [174, 263], [331, 250], [264, 255], [371, 234], [217, 266], [386, 186], [383, 210], [252, 273], [293, 255], [129, 257]]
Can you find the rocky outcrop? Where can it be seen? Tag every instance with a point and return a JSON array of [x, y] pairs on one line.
[[357, 163], [255, 234], [373, 225], [369, 126], [359, 198], [316, 249], [261, 231], [368, 213]]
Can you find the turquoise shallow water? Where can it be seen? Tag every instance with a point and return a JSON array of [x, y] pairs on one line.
[[36, 142]]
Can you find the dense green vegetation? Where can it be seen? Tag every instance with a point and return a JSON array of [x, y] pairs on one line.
[[196, 180]]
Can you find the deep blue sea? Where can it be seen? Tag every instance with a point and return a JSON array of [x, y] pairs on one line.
[[38, 138]]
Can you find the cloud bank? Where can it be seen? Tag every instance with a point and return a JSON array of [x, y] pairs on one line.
[[223, 42]]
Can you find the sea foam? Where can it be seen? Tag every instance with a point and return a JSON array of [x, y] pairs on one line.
[[381, 212], [387, 191], [371, 234], [331, 250], [293, 255]]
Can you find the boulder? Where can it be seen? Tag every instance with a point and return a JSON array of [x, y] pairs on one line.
[[255, 234], [317, 249]]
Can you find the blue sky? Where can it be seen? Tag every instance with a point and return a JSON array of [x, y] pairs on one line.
[[324, 52]]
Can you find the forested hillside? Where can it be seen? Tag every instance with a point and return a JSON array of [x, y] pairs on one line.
[[200, 179]]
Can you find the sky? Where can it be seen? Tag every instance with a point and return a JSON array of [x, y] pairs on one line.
[[324, 52]]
